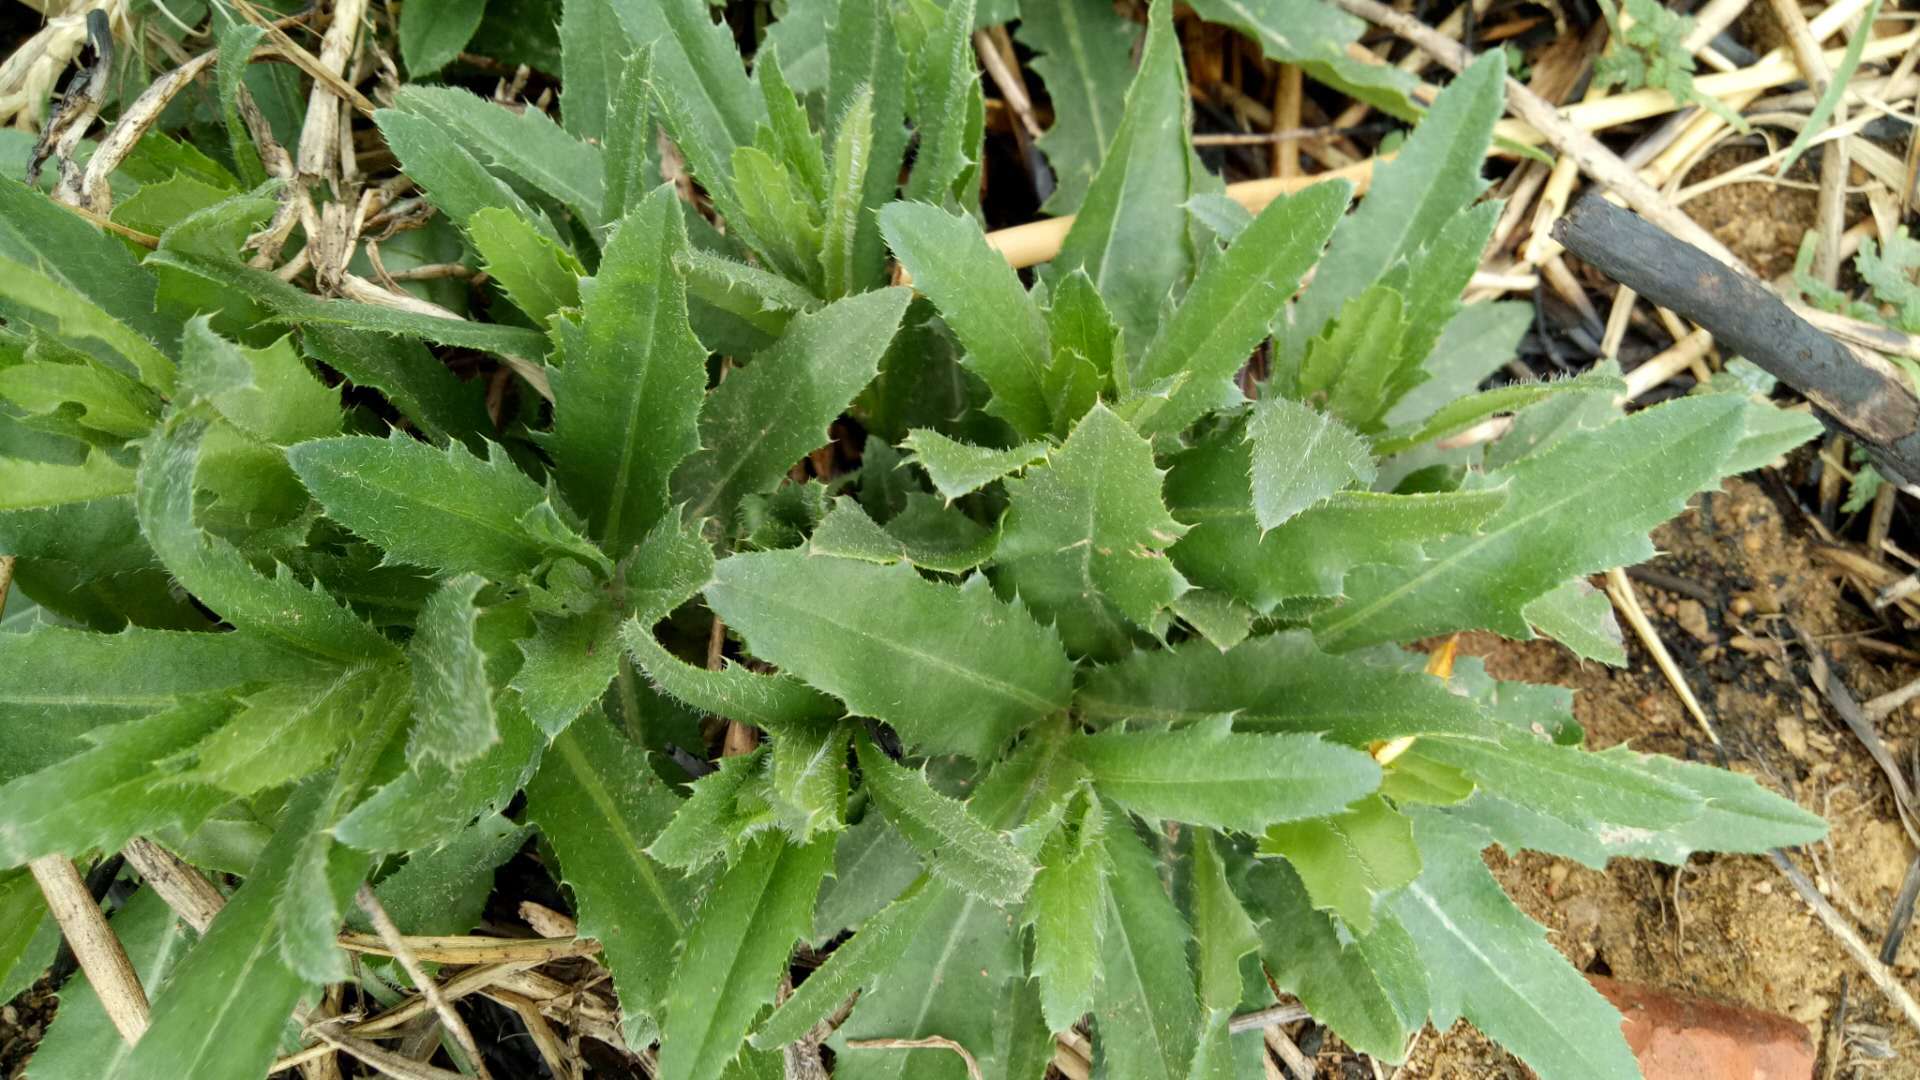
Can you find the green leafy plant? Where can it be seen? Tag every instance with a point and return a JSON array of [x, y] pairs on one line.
[[1652, 51], [1079, 663]]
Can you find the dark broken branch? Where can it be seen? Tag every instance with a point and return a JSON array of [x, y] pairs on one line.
[[1863, 395]]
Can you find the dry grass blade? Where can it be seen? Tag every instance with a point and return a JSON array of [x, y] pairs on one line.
[[1291, 1013], [1620, 591], [931, 1042], [1828, 683], [385, 1062], [303, 59], [564, 1065], [474, 950]]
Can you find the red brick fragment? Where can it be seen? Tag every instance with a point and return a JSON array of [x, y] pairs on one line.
[[1690, 1038]]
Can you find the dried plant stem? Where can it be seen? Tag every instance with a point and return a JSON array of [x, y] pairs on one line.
[[185, 890], [108, 970], [472, 950], [449, 1016]]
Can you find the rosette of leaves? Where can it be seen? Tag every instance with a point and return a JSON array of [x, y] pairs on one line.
[[1087, 692]]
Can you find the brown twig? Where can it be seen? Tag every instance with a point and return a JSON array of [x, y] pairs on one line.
[[1620, 591]]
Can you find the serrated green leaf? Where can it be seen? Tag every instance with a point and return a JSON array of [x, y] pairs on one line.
[[1300, 457], [459, 185], [119, 787], [28, 485], [945, 81], [1277, 683], [594, 50], [84, 260], [1222, 932], [1584, 505], [1350, 364], [951, 979], [522, 142], [1313, 36], [735, 951], [221, 1014], [1474, 344], [628, 392], [855, 965], [292, 306], [268, 392], [1501, 972], [74, 317], [800, 35], [287, 730], [1208, 488], [1068, 912], [409, 376], [1435, 175], [1370, 988], [1085, 537], [1083, 50], [1770, 432], [1736, 815], [866, 52], [28, 934], [433, 33], [568, 663], [442, 509], [279, 608], [1131, 232], [852, 159], [452, 700], [1350, 859], [540, 276], [771, 413], [872, 866], [1208, 774], [1223, 621], [809, 774], [925, 534], [1146, 1015], [82, 1043], [109, 402], [961, 850], [726, 809], [706, 100], [982, 300], [1231, 304], [788, 136], [421, 806], [1607, 797], [1465, 412], [957, 468], [599, 803], [631, 162], [56, 684], [896, 647], [774, 216], [1580, 617]]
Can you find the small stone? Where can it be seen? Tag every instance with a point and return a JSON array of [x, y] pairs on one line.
[[1764, 888], [1692, 617], [1792, 734], [1741, 607]]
